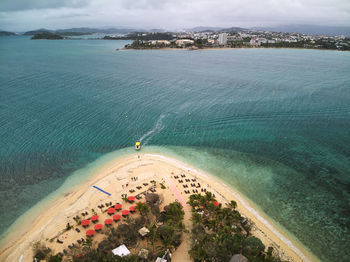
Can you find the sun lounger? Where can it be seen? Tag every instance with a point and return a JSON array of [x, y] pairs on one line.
[[59, 241]]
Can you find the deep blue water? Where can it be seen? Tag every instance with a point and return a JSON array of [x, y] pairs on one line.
[[274, 123]]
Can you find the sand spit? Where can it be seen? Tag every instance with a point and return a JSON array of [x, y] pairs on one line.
[[118, 177]]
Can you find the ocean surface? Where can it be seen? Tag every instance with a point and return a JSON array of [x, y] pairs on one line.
[[273, 123]]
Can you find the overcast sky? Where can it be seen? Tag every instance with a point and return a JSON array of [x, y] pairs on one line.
[[22, 15]]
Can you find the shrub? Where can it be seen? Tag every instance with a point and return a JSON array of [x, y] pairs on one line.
[[253, 246], [40, 251]]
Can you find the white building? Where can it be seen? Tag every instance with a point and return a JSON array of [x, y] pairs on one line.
[[160, 42], [223, 39], [184, 42]]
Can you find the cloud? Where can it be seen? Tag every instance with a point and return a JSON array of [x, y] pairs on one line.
[[170, 14], [20, 5]]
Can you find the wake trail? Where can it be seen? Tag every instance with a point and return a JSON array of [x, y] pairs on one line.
[[155, 130]]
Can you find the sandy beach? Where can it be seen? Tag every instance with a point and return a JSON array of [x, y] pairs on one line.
[[117, 178]]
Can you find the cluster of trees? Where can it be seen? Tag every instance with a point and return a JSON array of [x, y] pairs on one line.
[[150, 36], [220, 232], [165, 232], [47, 35]]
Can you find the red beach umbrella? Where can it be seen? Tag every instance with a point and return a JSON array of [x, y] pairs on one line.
[[85, 223], [118, 206], [215, 203], [117, 217], [132, 209], [94, 218], [125, 212], [108, 221], [90, 232], [98, 226], [131, 198], [111, 210]]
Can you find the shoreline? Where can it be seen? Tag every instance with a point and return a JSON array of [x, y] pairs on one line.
[[78, 195], [227, 48]]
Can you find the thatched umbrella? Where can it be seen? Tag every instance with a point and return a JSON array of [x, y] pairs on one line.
[[152, 198]]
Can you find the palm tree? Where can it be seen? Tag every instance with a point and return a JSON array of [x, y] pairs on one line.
[[143, 208], [232, 204], [153, 235]]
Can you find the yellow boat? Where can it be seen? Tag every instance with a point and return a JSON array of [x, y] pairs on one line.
[[138, 145]]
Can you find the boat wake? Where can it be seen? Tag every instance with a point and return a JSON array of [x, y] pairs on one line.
[[155, 130]]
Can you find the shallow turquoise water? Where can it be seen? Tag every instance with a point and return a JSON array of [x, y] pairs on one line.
[[273, 123]]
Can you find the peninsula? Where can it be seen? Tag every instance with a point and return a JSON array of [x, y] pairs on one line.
[[143, 207], [235, 38]]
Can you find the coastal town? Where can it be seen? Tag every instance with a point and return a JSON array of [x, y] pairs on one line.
[[233, 39]]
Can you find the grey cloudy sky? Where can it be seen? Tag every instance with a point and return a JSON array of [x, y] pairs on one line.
[[21, 15]]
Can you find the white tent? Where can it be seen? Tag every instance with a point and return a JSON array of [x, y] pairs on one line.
[[121, 251], [159, 259]]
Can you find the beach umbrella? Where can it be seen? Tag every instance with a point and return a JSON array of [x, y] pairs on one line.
[[125, 212], [131, 198], [132, 209], [108, 221], [116, 217], [85, 223], [90, 232], [98, 226], [94, 218], [215, 203], [118, 206], [111, 210]]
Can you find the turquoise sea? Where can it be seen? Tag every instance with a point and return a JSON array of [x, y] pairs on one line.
[[273, 123]]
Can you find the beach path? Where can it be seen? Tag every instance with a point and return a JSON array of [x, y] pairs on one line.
[[176, 192]]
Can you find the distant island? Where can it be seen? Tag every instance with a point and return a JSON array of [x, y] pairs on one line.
[[47, 35], [6, 33]]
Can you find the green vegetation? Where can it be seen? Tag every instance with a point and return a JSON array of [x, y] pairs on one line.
[[47, 35], [165, 232], [150, 36], [40, 251], [220, 232]]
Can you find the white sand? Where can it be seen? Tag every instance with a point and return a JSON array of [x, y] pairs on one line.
[[111, 178]]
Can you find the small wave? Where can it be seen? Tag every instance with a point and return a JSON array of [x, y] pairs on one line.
[[155, 130]]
